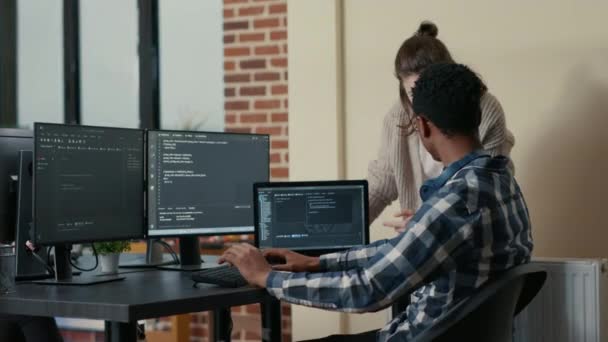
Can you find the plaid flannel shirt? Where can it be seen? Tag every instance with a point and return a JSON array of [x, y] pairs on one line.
[[473, 225]]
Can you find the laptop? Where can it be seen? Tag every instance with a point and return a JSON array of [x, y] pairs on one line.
[[311, 218]]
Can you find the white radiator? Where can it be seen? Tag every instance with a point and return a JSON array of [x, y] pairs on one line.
[[571, 307]]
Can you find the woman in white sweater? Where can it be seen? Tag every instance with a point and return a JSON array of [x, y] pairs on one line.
[[403, 164]]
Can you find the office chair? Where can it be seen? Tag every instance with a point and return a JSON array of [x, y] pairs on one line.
[[488, 315]]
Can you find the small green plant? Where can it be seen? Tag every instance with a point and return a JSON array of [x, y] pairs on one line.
[[110, 247]]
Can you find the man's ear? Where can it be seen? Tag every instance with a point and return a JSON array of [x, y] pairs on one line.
[[425, 127]]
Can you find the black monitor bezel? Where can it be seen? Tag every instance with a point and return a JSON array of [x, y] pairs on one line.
[[202, 132], [144, 230], [320, 251], [14, 133]]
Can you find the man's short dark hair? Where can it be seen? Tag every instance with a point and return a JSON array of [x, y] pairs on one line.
[[449, 96]]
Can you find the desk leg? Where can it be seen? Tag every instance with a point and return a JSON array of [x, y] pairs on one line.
[[271, 320], [120, 332], [222, 325]]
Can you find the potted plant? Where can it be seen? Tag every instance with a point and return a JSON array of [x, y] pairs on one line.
[[109, 253]]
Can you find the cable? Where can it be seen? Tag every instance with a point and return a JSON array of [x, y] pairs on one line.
[[169, 249], [48, 256], [82, 269], [32, 251]]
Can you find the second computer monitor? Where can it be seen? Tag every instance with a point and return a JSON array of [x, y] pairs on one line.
[[201, 183]]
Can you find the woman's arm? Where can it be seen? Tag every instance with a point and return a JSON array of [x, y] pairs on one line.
[[382, 186]]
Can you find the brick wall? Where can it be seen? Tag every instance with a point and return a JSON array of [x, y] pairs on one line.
[[255, 66]]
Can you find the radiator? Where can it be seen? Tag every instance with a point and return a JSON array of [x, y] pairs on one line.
[[571, 307]]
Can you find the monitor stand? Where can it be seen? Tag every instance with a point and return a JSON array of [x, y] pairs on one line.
[[189, 256], [153, 258], [63, 272]]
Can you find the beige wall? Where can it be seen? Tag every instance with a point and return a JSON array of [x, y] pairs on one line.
[[546, 61]]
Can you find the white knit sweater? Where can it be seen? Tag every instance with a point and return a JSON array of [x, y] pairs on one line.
[[403, 164]]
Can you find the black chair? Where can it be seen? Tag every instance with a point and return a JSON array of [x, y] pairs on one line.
[[488, 315]]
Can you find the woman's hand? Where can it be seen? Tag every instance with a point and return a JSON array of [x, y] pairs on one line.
[[294, 262], [404, 216]]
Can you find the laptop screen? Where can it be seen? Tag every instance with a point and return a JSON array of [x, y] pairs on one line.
[[313, 217]]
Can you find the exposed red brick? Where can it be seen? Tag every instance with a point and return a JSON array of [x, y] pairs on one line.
[[274, 158], [199, 331], [229, 65], [267, 76], [237, 335], [278, 62], [278, 8], [253, 336], [254, 118], [236, 105], [237, 51], [236, 25], [253, 308], [286, 103], [250, 11], [237, 78], [253, 91], [229, 38], [286, 75], [230, 118], [279, 144], [279, 172], [288, 309], [285, 48], [253, 64], [228, 13], [267, 104], [238, 129], [279, 89], [267, 50], [286, 338], [229, 92], [279, 117], [274, 130], [278, 35], [265, 23], [252, 37]]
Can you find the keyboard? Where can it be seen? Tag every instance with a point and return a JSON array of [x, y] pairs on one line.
[[224, 276]]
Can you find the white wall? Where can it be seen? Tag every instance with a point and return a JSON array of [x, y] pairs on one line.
[[39, 62], [544, 60], [191, 64]]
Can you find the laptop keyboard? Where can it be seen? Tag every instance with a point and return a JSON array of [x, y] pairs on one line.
[[224, 276]]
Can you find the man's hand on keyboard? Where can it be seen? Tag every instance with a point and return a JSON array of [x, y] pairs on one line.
[[250, 262], [293, 262]]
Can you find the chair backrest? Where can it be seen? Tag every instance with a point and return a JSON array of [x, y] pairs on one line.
[[488, 314]]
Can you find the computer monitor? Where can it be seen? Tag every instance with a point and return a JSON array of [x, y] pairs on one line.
[[11, 142], [312, 217], [201, 183], [88, 186]]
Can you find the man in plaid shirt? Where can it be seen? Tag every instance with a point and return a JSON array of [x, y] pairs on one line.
[[472, 226]]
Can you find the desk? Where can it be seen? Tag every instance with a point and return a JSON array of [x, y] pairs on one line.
[[142, 295]]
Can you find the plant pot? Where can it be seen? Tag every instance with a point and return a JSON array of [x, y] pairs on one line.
[[109, 263]]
